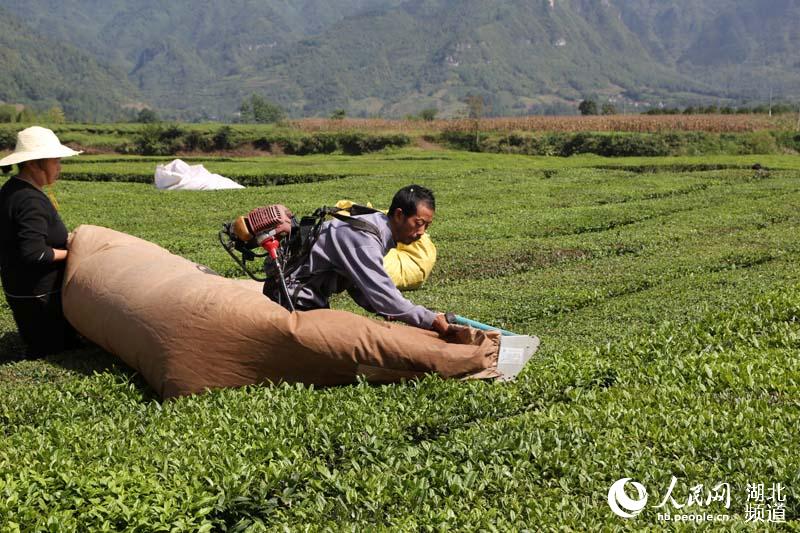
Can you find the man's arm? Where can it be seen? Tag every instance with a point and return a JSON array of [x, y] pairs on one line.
[[362, 262], [439, 324]]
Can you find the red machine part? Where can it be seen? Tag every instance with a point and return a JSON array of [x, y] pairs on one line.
[[264, 223], [272, 217], [271, 244]]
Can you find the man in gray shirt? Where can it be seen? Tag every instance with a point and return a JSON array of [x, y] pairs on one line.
[[345, 257]]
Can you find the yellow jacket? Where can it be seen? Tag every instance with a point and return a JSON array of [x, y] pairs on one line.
[[409, 265]]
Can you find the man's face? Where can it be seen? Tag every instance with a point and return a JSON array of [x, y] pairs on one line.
[[409, 229]]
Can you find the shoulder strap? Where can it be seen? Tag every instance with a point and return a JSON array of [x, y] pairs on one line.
[[357, 209], [357, 223]]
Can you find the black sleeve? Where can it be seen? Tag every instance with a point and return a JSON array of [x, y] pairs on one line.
[[32, 226]]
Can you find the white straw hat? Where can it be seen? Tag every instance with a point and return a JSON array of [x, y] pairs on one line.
[[36, 143]]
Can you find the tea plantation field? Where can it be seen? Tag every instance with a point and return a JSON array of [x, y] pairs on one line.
[[666, 292]]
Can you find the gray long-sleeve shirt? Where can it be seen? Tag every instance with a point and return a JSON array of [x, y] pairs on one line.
[[346, 258]]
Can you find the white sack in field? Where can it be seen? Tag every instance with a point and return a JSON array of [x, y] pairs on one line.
[[179, 175]]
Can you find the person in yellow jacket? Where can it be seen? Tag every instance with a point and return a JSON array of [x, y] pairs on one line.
[[409, 265]]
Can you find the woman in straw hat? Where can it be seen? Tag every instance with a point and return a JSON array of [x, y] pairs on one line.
[[33, 242]]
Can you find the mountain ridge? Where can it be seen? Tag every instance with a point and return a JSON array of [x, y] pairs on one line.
[[42, 73], [392, 57]]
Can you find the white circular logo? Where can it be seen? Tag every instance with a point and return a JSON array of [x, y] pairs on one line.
[[621, 504]]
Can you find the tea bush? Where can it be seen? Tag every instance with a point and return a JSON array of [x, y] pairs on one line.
[[666, 293], [626, 144]]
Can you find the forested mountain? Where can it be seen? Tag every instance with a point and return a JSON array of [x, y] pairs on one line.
[[738, 48], [200, 59], [433, 52], [39, 72], [176, 52]]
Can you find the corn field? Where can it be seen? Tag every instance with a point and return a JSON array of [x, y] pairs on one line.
[[566, 124]]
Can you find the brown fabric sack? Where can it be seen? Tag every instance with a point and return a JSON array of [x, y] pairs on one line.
[[187, 329]]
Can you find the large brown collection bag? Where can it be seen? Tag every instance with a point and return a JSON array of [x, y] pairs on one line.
[[187, 329]]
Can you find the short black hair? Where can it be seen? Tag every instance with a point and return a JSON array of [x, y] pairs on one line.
[[408, 197], [6, 169]]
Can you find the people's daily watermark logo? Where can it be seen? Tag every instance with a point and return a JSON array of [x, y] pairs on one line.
[[622, 504], [700, 503]]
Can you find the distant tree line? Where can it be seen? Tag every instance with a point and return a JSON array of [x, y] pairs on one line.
[[776, 109], [590, 107], [10, 113], [428, 115], [253, 110], [147, 116], [259, 110]]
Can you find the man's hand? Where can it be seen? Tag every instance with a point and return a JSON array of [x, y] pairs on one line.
[[59, 254], [440, 325]]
